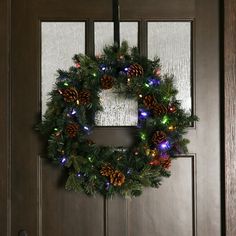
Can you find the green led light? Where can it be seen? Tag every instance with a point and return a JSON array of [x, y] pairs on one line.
[[143, 136], [164, 120], [55, 129], [94, 74], [147, 85], [90, 159], [66, 84]]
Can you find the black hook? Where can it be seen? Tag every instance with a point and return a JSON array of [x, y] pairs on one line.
[[116, 19]]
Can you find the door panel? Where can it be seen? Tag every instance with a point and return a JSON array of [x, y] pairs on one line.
[[187, 204]]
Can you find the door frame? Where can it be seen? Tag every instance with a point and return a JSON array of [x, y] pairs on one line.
[[228, 110]]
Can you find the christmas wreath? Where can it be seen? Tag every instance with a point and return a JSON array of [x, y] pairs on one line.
[[70, 118]]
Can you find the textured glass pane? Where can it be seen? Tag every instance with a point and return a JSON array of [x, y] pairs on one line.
[[103, 35], [60, 41], [129, 32], [117, 111], [171, 41]]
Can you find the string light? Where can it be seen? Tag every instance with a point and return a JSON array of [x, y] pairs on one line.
[[63, 159], [165, 120], [171, 128], [66, 84], [165, 146], [103, 67], [153, 81], [86, 128], [107, 185], [126, 69], [143, 136], [143, 114]]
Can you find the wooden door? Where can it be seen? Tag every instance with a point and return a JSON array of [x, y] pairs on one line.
[[187, 204]]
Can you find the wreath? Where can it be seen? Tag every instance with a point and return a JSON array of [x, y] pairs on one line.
[[70, 118]]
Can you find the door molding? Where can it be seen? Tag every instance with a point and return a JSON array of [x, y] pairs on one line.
[[229, 74], [228, 85], [5, 117]]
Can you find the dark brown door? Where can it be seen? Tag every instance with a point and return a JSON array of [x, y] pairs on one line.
[[188, 203]]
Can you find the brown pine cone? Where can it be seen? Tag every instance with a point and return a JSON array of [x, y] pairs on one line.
[[149, 101], [158, 137], [84, 97], [107, 82], [135, 70], [117, 178], [107, 170], [69, 94], [159, 109], [165, 162], [72, 129], [90, 142]]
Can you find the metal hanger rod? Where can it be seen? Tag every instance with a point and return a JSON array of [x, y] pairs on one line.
[[116, 19]]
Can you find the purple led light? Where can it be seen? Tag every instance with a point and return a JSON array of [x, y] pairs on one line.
[[165, 145], [86, 128], [103, 67], [107, 185], [153, 81], [63, 160], [144, 114], [126, 69], [73, 112]]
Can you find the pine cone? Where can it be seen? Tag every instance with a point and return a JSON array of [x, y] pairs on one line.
[[158, 137], [107, 170], [159, 109], [84, 97], [69, 94], [149, 101], [165, 162], [72, 129], [135, 70], [107, 82], [90, 142], [117, 178]]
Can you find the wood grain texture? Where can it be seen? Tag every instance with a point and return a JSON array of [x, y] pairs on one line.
[[230, 115], [4, 119]]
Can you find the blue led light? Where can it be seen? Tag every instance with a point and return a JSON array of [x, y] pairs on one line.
[[164, 146], [86, 128], [63, 159], [152, 81], [143, 114]]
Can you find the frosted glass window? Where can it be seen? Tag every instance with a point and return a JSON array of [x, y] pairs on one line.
[[117, 111], [59, 42], [171, 41], [129, 32], [103, 35]]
